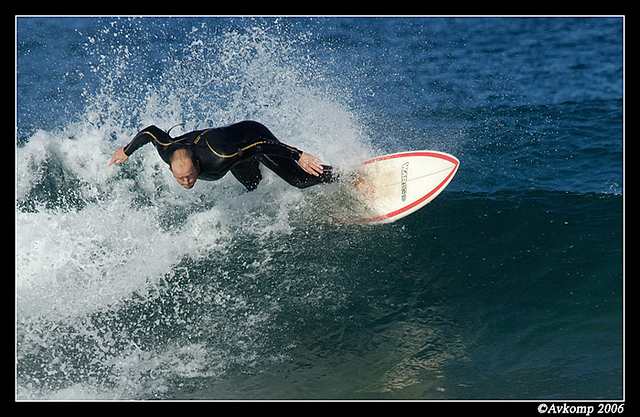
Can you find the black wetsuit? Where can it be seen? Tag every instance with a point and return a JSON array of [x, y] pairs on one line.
[[238, 148]]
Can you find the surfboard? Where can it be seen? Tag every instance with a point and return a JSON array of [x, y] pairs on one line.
[[390, 187]]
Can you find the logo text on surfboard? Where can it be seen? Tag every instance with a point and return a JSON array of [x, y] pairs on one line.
[[404, 172]]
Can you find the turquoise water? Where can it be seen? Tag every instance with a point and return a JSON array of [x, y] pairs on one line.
[[508, 286]]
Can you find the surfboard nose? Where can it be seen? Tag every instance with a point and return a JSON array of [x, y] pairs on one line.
[[396, 185]]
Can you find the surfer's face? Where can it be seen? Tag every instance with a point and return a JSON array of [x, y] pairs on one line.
[[187, 180], [184, 171]]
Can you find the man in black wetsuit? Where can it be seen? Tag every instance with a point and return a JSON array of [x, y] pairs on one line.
[[209, 154]]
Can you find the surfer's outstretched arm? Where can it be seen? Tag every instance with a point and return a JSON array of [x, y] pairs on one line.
[[142, 138]]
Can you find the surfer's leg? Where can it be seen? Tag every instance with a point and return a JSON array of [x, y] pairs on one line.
[[291, 172], [248, 173], [248, 131]]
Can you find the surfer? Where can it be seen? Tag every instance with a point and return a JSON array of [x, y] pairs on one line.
[[209, 154]]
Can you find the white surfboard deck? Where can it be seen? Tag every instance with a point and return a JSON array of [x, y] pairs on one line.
[[393, 186]]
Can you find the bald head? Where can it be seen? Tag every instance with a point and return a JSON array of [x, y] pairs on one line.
[[183, 167]]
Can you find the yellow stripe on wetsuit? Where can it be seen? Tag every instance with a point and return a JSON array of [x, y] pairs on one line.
[[208, 145], [198, 140], [242, 149], [146, 132]]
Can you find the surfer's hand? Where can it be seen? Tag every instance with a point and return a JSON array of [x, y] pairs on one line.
[[118, 156], [310, 164]]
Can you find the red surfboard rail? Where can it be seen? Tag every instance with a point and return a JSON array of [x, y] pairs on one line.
[[417, 153]]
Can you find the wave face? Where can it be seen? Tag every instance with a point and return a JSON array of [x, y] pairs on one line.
[[508, 285]]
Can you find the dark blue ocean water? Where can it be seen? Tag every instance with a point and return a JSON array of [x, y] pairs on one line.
[[508, 286]]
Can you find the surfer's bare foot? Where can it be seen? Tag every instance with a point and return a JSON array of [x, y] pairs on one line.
[[366, 188]]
